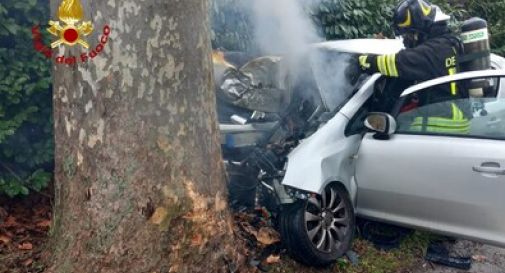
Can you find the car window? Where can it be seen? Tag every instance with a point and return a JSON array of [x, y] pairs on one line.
[[387, 91], [357, 123], [329, 68], [468, 108]]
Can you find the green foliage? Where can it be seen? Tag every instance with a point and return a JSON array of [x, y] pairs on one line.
[[348, 19], [231, 27], [493, 12], [26, 145]]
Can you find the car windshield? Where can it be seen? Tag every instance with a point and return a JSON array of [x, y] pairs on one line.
[[335, 85]]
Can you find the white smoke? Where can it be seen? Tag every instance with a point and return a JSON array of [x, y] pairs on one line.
[[282, 27]]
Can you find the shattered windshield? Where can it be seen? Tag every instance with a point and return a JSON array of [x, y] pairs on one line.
[[329, 68]]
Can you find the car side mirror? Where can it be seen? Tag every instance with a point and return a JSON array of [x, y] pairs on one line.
[[382, 123]]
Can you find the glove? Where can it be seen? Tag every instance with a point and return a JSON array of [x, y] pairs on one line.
[[363, 62]]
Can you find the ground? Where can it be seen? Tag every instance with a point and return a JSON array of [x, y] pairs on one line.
[[25, 226], [487, 259]]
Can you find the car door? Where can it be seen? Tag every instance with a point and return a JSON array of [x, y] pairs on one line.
[[451, 182]]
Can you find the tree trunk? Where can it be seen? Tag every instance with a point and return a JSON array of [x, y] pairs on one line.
[[139, 179]]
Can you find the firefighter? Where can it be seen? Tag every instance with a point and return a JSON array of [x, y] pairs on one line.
[[431, 51]]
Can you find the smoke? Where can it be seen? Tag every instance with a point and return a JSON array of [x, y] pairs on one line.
[[282, 27], [285, 28]]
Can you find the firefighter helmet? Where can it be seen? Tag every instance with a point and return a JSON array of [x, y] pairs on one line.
[[416, 16]]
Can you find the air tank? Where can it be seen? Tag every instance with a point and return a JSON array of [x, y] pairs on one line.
[[475, 38]]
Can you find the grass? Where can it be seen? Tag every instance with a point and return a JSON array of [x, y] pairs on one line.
[[407, 257]]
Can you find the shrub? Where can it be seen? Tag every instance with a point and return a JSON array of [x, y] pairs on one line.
[[231, 28], [345, 19], [26, 146], [348, 19]]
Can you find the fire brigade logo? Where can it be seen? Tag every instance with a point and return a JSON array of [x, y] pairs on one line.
[[70, 30], [73, 30]]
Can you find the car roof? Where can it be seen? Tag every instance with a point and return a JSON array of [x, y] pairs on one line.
[[456, 77], [363, 46]]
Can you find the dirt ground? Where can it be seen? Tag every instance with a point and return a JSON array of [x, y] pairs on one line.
[[25, 226]]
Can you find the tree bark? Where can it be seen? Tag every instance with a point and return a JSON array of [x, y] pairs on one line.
[[139, 179]]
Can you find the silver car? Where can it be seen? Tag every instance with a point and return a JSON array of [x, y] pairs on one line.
[[369, 160]]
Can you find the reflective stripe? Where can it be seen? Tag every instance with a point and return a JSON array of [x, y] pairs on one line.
[[363, 61], [425, 7], [381, 64], [457, 124], [387, 65], [454, 88], [441, 122], [408, 21], [392, 65], [436, 129]]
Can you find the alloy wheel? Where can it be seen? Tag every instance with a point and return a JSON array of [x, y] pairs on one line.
[[327, 220]]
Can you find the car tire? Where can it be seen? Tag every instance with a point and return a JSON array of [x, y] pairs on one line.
[[327, 235]]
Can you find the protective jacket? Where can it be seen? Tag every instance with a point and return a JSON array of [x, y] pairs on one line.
[[434, 58]]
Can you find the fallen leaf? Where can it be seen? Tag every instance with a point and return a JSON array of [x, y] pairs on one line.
[[44, 223], [5, 239], [28, 262], [249, 229], [40, 211], [10, 222], [273, 259], [479, 258], [25, 246], [197, 240], [268, 236]]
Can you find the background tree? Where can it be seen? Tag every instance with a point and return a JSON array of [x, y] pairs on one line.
[[139, 178]]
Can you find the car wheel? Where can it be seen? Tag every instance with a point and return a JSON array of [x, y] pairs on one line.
[[319, 230]]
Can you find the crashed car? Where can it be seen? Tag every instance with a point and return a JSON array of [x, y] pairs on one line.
[[361, 155]]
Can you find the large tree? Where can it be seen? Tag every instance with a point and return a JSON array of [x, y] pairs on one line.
[[139, 181]]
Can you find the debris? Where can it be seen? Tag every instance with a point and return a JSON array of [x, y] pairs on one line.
[[268, 236], [479, 258], [254, 263], [353, 257], [273, 259], [438, 253]]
